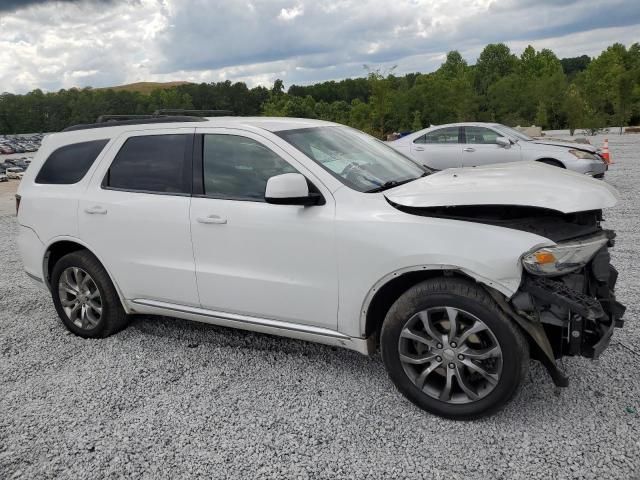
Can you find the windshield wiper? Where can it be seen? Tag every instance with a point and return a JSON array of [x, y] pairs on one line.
[[393, 183]]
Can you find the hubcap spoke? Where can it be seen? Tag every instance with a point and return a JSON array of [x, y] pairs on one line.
[[477, 327], [452, 314], [445, 394], [485, 353], [464, 384], [417, 360], [425, 373], [426, 323], [95, 307], [68, 303], [409, 335], [492, 378]]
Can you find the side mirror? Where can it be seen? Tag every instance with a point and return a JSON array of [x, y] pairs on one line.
[[503, 142], [290, 189]]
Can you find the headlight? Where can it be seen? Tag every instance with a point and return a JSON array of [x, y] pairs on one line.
[[563, 258], [583, 155]]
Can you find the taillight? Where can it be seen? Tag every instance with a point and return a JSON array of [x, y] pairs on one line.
[[18, 198]]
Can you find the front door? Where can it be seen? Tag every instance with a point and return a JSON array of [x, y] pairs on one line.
[[253, 258], [480, 148]]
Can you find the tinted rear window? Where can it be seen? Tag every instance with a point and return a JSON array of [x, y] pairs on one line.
[[70, 163], [153, 163]]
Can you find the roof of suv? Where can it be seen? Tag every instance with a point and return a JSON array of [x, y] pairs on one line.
[[272, 124]]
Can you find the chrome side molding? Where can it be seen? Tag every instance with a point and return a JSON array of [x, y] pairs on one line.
[[257, 324]]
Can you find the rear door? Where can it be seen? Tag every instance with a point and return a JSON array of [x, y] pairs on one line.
[[480, 148], [439, 149], [135, 215]]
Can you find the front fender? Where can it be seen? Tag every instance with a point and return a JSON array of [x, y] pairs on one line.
[[382, 243], [508, 289]]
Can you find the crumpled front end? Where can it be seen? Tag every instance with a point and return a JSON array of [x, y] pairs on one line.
[[577, 312]]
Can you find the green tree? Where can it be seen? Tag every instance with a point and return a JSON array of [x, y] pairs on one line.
[[574, 108], [495, 61], [380, 100], [417, 122]]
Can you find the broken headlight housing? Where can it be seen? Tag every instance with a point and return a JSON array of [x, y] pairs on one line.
[[565, 257]]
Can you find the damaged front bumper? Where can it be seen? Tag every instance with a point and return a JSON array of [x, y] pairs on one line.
[[572, 314]]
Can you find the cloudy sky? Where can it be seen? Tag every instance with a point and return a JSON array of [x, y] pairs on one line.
[[60, 44]]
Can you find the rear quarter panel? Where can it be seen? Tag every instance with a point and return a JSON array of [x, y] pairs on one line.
[[52, 210]]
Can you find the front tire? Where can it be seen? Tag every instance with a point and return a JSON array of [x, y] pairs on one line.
[[84, 296], [450, 349]]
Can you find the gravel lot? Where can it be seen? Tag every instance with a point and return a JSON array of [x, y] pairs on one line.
[[168, 398]]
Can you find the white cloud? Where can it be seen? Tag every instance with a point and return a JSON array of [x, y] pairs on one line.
[[52, 45], [288, 14]]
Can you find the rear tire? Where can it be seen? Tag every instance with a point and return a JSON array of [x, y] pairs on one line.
[[85, 298], [450, 349]]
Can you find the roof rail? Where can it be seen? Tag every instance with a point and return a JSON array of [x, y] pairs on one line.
[[110, 121], [112, 118], [199, 113], [163, 115]]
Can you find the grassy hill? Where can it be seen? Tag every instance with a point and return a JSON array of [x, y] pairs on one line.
[[145, 87]]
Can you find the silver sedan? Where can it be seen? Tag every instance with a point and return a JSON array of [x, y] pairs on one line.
[[473, 144]]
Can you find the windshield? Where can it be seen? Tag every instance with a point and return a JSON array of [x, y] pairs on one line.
[[514, 133], [355, 158]]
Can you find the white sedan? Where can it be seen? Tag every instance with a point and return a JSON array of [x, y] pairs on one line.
[[474, 144]]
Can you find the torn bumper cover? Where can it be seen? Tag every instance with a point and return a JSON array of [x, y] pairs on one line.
[[572, 314]]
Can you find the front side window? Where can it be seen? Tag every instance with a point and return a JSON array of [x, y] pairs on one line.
[[237, 167], [442, 136], [69, 164], [152, 163], [480, 135], [355, 158]]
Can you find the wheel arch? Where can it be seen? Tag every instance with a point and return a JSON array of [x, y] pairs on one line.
[[61, 246], [551, 161], [387, 290]]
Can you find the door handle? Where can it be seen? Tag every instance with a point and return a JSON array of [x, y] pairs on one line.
[[212, 219], [96, 210], [469, 149], [419, 149]]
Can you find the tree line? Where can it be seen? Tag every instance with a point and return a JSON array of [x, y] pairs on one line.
[[534, 88]]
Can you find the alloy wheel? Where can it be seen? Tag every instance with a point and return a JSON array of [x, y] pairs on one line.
[[80, 298], [450, 354]]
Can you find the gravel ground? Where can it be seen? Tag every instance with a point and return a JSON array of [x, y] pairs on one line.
[[168, 398]]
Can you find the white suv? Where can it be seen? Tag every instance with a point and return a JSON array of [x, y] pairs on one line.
[[316, 231]]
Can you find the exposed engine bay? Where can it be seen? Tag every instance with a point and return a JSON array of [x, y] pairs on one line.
[[554, 225]]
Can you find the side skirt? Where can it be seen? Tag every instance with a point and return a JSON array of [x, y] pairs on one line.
[[366, 346]]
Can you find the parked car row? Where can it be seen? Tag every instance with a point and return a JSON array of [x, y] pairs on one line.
[[13, 168], [20, 144], [474, 144]]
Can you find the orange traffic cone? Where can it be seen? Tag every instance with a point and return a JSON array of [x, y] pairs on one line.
[[605, 152]]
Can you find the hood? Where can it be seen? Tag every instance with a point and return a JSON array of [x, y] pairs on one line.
[[528, 184], [556, 142]]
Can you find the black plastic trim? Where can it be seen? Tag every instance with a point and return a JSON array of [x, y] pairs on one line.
[[197, 165]]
